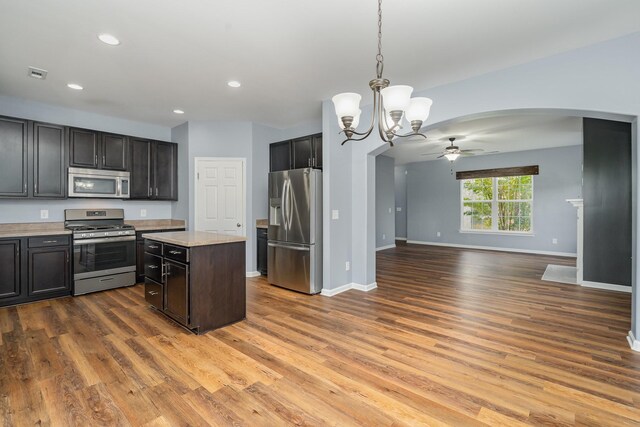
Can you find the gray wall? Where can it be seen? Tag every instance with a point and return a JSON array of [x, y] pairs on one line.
[[401, 200], [433, 200], [385, 201], [15, 210], [238, 139]]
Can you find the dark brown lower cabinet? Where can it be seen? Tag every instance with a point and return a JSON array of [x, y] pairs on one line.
[[34, 268], [49, 270], [10, 276], [177, 294], [200, 287]]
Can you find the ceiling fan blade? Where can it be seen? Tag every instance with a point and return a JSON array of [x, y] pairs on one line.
[[439, 157], [472, 150], [463, 154], [431, 154]]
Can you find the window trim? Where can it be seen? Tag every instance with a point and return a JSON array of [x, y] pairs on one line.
[[494, 210]]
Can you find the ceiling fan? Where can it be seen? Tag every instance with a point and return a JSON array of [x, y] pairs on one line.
[[452, 152]]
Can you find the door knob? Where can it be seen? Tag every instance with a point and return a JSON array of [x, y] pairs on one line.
[[238, 225]]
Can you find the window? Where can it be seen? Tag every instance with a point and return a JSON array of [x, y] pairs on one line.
[[500, 204]]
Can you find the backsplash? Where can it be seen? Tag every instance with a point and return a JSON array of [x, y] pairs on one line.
[[15, 210]]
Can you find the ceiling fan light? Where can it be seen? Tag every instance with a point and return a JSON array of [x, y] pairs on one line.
[[452, 156], [418, 109], [396, 98], [347, 105]]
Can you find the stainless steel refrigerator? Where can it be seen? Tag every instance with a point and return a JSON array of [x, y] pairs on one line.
[[294, 252]]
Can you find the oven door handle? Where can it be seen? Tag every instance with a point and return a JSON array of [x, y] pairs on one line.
[[103, 240]]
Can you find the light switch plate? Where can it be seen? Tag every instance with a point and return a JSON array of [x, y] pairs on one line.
[[335, 214], [554, 241], [438, 234], [44, 213], [389, 210], [347, 266], [399, 209], [143, 213]]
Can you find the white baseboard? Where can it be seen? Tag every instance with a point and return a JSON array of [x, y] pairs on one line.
[[382, 248], [493, 248], [607, 286], [401, 238], [364, 288], [347, 287], [253, 273], [633, 342]]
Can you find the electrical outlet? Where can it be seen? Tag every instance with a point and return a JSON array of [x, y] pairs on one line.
[[438, 234], [347, 266], [389, 210], [143, 213], [384, 236], [335, 214], [399, 209], [44, 213], [554, 241]]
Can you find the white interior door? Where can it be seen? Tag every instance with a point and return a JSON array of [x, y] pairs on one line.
[[220, 195]]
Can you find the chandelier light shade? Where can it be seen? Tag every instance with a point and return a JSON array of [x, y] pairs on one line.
[[390, 105]]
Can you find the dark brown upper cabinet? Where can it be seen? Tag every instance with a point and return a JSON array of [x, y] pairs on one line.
[[165, 171], [114, 150], [14, 139], [49, 148], [140, 168], [97, 150], [303, 152], [154, 170], [280, 156], [84, 148], [317, 151]]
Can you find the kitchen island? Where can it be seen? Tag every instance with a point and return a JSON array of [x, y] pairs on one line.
[[196, 278]]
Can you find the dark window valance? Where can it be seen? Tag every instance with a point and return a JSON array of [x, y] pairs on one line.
[[490, 173]]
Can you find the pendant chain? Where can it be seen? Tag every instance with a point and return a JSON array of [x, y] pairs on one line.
[[379, 57]]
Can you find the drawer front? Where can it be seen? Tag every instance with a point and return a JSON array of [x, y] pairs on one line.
[[153, 247], [262, 233], [176, 253], [154, 293], [153, 267], [43, 241]]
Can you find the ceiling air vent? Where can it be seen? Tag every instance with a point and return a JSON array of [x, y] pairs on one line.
[[37, 73]]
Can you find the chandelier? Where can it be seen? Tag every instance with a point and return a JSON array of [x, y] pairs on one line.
[[390, 105]]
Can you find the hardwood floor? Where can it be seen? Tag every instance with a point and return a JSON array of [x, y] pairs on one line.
[[450, 337]]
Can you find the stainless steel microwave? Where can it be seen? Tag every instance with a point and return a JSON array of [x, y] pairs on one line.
[[98, 183]]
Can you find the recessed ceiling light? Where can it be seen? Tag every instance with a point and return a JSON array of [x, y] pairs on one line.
[[109, 39], [178, 111], [74, 86], [234, 83]]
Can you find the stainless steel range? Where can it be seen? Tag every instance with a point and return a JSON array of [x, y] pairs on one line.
[[104, 249]]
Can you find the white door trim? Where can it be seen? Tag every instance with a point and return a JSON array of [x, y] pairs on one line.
[[244, 187]]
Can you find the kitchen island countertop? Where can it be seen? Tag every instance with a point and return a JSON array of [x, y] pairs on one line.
[[193, 238]]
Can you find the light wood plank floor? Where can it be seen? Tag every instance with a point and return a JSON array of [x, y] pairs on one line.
[[450, 337]]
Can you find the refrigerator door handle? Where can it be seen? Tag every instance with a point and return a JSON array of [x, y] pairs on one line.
[[293, 248], [289, 205], [284, 203]]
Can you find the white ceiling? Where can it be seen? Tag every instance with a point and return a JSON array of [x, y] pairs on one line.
[[288, 54], [502, 133]]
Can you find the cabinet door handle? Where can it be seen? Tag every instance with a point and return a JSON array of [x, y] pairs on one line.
[[153, 267], [175, 252], [49, 241], [153, 246], [35, 187], [152, 293], [156, 191], [309, 162], [150, 192], [25, 187], [104, 159], [96, 160]]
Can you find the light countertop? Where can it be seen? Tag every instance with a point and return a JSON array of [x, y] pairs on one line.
[[193, 238], [156, 224], [30, 229], [262, 223]]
